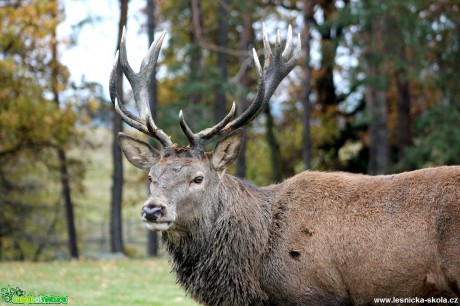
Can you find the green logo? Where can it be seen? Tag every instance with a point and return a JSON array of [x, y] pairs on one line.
[[19, 296]]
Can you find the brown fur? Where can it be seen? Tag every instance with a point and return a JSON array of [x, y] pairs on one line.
[[318, 238], [327, 239], [315, 239], [358, 237]]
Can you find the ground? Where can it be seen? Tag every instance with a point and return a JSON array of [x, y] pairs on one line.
[[97, 282]]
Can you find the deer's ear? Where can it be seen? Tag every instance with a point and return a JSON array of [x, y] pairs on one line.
[[227, 150], [139, 153]]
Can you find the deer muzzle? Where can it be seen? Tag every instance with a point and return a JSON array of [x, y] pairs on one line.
[[155, 214], [151, 212]]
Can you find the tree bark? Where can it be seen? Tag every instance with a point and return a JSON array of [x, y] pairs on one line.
[[196, 58], [116, 230], [62, 158], [307, 11], [152, 237], [273, 145], [376, 99], [222, 59], [404, 118], [245, 42], [331, 32], [327, 100], [66, 193]]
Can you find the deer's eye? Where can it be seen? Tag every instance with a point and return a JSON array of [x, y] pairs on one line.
[[150, 178], [198, 179]]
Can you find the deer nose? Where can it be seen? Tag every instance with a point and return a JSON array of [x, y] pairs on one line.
[[152, 212]]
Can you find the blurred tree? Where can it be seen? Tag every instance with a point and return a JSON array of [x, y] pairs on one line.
[[375, 69], [32, 132], [326, 114], [437, 138], [56, 87], [376, 86], [408, 51], [152, 237], [181, 84], [116, 232], [435, 53], [187, 58], [404, 54], [245, 81], [196, 52], [331, 27], [307, 12], [222, 57], [273, 145]]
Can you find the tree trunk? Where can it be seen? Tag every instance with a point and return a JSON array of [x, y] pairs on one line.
[[62, 158], [404, 117], [66, 193], [378, 132], [222, 60], [306, 114], [196, 58], [116, 232], [376, 99], [331, 31], [152, 237], [273, 145], [246, 40]]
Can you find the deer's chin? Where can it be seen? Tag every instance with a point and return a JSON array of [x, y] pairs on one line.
[[157, 226]]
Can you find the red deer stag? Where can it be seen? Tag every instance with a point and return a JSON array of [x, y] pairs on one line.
[[314, 239]]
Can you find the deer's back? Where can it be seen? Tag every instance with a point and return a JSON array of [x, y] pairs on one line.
[[362, 237]]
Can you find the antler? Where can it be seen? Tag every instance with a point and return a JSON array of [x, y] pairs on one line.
[[276, 67], [140, 83]]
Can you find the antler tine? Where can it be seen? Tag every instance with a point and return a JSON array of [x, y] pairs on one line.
[[287, 50], [187, 131], [275, 70], [199, 140], [157, 133], [251, 112], [125, 67], [149, 62], [276, 67], [209, 133], [113, 79], [279, 66], [267, 49], [295, 58], [140, 83], [125, 114]]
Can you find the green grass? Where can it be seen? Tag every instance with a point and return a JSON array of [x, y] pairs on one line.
[[97, 282]]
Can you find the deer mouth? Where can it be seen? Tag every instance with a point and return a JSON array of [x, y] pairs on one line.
[[158, 225]]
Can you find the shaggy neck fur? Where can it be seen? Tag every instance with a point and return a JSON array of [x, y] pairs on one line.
[[218, 263]]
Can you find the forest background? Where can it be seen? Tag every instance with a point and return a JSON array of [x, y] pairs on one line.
[[375, 91]]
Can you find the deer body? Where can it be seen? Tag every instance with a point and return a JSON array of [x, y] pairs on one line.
[[314, 239], [352, 238], [326, 239]]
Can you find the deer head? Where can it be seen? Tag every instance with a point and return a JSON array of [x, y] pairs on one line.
[[184, 180]]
